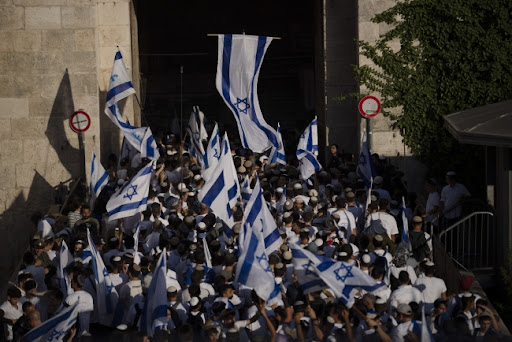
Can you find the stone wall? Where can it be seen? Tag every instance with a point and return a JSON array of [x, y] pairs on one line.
[[55, 58]]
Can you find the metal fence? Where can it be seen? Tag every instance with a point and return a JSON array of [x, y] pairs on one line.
[[471, 242]]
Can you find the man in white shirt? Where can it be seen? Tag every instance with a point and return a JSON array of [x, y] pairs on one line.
[[85, 304], [452, 196], [387, 221], [10, 310], [404, 294], [432, 206], [347, 219], [431, 287]]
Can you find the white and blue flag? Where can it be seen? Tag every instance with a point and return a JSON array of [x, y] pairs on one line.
[[106, 298], [197, 134], [212, 154], [154, 314], [136, 256], [238, 67], [344, 279], [253, 268], [246, 190], [127, 152], [307, 150], [365, 169], [132, 197], [426, 335], [262, 221], [405, 226], [222, 191], [54, 329], [65, 259], [120, 87], [99, 177], [277, 154], [305, 270]]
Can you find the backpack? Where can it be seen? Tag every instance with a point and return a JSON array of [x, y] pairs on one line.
[[375, 227], [381, 260], [420, 249]]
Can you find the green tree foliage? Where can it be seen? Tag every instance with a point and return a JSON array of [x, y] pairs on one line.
[[453, 55]]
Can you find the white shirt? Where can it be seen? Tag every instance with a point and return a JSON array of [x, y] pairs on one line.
[[395, 271], [387, 221], [432, 202], [431, 288], [84, 300], [11, 312], [404, 294], [451, 197], [346, 220]]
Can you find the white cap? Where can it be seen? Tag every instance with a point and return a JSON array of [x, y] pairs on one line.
[[181, 187], [201, 225], [194, 301], [262, 158], [197, 177], [378, 180], [279, 190], [297, 186], [366, 259]]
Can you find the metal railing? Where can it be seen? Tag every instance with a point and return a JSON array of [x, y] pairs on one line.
[[471, 241]]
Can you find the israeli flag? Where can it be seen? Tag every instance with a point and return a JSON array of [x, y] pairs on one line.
[[207, 254], [127, 152], [132, 197], [305, 270], [261, 219], [221, 191], [344, 279], [99, 177], [136, 256], [253, 268], [238, 68], [120, 87], [277, 154], [54, 329], [365, 169], [197, 134], [154, 314], [65, 259], [212, 155], [405, 226], [426, 335], [246, 190], [307, 150], [106, 295]]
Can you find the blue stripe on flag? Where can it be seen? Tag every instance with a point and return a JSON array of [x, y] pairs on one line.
[[118, 89], [100, 182], [47, 326], [215, 189], [150, 152], [226, 61], [325, 265], [249, 258], [232, 192], [129, 206], [312, 283], [255, 211], [271, 238]]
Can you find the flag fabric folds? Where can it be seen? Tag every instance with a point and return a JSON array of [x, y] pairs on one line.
[[405, 226], [120, 87], [277, 154], [99, 177], [132, 197], [212, 155], [197, 133], [238, 67], [106, 294], [54, 329], [65, 259], [127, 152], [253, 268], [307, 150], [136, 256], [305, 270], [426, 335], [365, 168], [246, 190], [342, 278], [154, 314], [221, 191]]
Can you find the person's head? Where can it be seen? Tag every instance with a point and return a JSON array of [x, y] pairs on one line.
[[334, 149], [403, 278], [34, 319], [439, 306], [227, 291], [134, 271], [404, 313], [13, 295], [468, 302], [450, 178], [485, 322], [228, 318], [430, 185], [383, 204], [85, 211], [55, 298], [417, 222]]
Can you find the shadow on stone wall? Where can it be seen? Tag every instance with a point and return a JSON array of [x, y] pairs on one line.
[[15, 221]]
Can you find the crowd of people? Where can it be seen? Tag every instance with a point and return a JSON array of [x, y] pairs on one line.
[[331, 218]]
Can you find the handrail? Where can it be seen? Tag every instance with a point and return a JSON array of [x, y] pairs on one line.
[[462, 220]]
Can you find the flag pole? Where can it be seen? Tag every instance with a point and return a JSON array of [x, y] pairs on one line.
[[218, 34]]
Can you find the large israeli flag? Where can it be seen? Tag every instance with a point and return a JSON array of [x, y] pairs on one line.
[[261, 220], [106, 298], [54, 329], [221, 191], [246, 190], [365, 169], [277, 154], [212, 154], [99, 177], [120, 87], [253, 268], [154, 314], [307, 150], [238, 68], [197, 133], [344, 279], [132, 198]]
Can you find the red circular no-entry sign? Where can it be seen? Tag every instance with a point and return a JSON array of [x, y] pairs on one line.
[[79, 121], [369, 106]]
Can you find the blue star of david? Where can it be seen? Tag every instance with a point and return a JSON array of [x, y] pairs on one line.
[[136, 136], [55, 335], [242, 105], [133, 189], [309, 268], [216, 155], [339, 271], [263, 258], [113, 77]]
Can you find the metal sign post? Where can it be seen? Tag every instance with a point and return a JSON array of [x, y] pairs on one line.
[[80, 122]]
